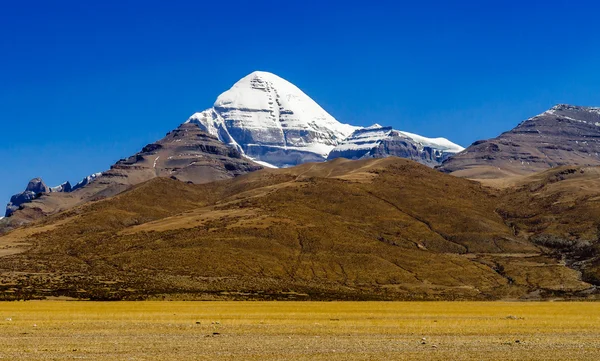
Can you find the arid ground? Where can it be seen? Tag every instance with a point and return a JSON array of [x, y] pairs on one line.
[[61, 330]]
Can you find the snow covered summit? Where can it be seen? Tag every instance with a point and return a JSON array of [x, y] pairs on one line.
[[271, 120]]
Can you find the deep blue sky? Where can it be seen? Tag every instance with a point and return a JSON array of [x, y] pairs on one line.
[[85, 83]]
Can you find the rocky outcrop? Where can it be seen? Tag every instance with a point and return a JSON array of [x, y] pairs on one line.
[[563, 135], [187, 154], [65, 187], [35, 188], [87, 180]]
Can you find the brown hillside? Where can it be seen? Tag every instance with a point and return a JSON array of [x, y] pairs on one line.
[[187, 154], [373, 229], [559, 210]]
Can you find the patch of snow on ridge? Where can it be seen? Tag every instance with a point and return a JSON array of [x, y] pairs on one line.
[[438, 143], [264, 164], [370, 137], [379, 142], [87, 180]]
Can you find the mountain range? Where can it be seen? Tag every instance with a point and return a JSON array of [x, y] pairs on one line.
[[262, 121], [267, 196]]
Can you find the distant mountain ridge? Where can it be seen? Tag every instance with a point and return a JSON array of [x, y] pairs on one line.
[[562, 135], [36, 187], [380, 142]]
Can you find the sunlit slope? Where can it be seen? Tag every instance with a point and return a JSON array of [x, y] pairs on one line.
[[374, 229]]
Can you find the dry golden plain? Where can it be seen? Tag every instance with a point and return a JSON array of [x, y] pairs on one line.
[[62, 330]]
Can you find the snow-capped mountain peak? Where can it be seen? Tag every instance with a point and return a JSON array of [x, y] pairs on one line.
[[271, 120], [287, 105]]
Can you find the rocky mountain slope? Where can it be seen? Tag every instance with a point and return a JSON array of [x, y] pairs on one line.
[[380, 142], [369, 229], [563, 135], [187, 154], [266, 119]]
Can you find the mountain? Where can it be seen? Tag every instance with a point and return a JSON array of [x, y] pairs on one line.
[[369, 229], [187, 154], [563, 135], [271, 120], [380, 142], [263, 120], [274, 123]]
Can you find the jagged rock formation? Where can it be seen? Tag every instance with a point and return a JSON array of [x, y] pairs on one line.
[[65, 187], [380, 142], [35, 188], [85, 181], [563, 135]]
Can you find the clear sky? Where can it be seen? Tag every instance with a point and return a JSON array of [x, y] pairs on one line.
[[84, 83]]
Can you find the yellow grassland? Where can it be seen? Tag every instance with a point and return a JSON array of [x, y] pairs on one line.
[[63, 330]]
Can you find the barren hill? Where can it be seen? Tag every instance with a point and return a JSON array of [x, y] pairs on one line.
[[371, 229], [187, 154]]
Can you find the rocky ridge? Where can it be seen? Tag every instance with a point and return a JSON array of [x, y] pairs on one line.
[[187, 154], [380, 142], [562, 135]]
